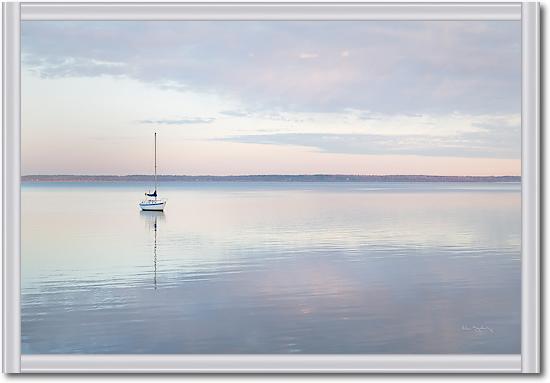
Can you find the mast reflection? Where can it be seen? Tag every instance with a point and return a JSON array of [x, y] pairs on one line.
[[152, 218]]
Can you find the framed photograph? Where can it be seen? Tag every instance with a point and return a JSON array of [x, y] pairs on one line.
[[271, 187]]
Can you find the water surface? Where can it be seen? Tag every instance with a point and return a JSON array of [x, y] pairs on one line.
[[252, 267]]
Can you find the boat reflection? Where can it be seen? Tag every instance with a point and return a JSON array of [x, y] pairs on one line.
[[152, 218]]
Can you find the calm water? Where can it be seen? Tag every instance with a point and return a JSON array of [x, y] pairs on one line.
[[272, 268]]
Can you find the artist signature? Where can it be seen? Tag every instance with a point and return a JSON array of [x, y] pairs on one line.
[[478, 329]]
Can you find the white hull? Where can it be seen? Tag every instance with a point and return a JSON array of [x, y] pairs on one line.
[[152, 205]]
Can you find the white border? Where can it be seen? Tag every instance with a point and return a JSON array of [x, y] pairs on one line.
[[530, 169], [271, 363], [271, 11], [528, 361], [11, 124]]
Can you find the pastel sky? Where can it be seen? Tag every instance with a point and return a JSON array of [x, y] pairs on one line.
[[277, 97]]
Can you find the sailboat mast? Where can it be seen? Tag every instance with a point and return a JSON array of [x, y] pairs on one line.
[[155, 162]]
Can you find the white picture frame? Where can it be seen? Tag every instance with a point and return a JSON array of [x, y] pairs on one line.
[[526, 362]]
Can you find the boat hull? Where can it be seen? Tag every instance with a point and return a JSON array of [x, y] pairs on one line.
[[152, 205]]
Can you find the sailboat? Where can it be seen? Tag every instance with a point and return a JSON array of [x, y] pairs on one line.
[[152, 202]]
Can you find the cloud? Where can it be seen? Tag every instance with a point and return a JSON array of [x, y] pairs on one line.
[[269, 115], [479, 145], [183, 121], [235, 113], [305, 55], [435, 67]]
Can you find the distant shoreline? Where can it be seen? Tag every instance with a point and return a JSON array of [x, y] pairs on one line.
[[270, 178]]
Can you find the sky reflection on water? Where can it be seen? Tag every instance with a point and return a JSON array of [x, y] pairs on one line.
[[272, 268]]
